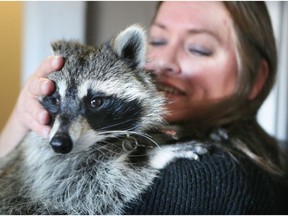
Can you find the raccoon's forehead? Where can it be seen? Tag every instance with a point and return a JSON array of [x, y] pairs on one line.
[[101, 65], [113, 87], [103, 72]]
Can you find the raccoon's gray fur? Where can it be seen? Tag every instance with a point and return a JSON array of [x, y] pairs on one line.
[[99, 156]]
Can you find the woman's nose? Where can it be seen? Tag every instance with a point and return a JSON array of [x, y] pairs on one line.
[[165, 61]]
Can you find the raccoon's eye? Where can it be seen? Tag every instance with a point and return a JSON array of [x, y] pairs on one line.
[[51, 103], [55, 101], [96, 102]]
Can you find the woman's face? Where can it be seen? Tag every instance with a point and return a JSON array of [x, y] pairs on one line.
[[193, 53]]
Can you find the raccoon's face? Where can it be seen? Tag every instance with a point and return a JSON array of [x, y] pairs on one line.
[[102, 93]]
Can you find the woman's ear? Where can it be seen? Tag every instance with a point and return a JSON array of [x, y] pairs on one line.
[[263, 72]]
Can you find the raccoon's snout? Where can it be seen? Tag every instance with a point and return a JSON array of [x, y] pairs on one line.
[[61, 143]]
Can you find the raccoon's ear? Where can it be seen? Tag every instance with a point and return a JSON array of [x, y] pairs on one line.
[[130, 45]]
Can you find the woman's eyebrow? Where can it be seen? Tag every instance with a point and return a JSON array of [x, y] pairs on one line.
[[192, 30], [155, 24], [204, 31]]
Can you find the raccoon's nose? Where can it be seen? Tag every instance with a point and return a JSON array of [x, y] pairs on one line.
[[61, 143]]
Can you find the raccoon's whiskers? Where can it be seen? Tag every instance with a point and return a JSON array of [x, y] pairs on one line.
[[149, 138], [118, 124], [106, 149], [126, 133], [129, 143]]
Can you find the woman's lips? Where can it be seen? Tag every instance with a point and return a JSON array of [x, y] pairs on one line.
[[168, 89]]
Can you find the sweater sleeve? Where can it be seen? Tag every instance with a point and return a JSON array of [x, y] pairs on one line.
[[216, 184]]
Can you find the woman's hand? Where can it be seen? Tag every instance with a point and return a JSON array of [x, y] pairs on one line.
[[28, 114]]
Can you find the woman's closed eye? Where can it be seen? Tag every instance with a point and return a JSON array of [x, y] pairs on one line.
[[157, 42], [200, 50]]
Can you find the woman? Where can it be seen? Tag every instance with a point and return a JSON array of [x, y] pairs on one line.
[[216, 63]]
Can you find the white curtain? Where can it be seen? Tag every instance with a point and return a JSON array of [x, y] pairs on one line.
[[274, 112]]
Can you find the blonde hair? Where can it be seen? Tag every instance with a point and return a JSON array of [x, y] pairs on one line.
[[256, 42]]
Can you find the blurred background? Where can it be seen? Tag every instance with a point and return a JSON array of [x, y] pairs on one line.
[[27, 29]]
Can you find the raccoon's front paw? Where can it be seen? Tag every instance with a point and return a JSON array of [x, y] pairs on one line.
[[160, 157], [190, 150]]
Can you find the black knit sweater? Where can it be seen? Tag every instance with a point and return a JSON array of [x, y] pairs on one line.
[[216, 184]]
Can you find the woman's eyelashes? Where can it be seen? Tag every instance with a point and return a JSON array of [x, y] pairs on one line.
[[194, 49], [199, 50], [157, 42]]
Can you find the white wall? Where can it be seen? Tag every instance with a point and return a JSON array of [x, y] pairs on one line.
[[108, 18], [44, 22]]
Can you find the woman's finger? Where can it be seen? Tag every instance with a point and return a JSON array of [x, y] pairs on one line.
[[50, 64]]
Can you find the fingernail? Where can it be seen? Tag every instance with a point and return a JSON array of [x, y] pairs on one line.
[[41, 117], [55, 61], [45, 86]]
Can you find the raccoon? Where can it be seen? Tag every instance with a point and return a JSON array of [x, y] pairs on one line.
[[104, 148]]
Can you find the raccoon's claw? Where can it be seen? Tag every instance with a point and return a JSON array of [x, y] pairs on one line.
[[191, 151], [160, 157]]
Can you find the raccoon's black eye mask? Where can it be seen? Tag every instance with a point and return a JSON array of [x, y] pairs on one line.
[[52, 103]]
